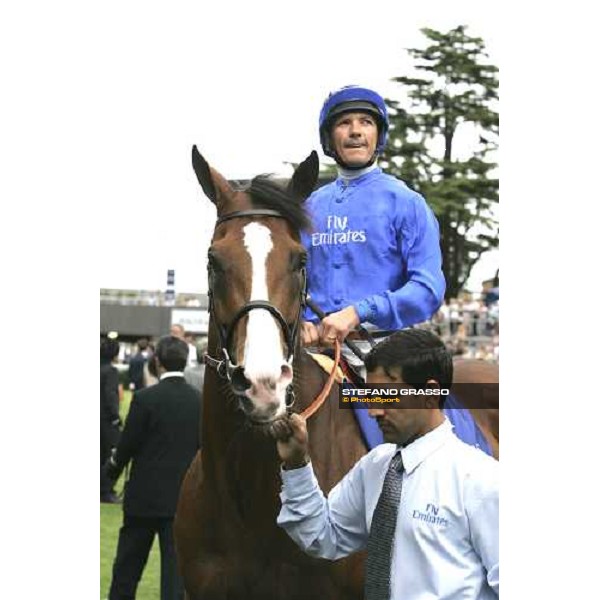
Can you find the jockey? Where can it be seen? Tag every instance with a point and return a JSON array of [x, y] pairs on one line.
[[374, 251]]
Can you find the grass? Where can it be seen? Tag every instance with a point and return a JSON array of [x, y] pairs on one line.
[[111, 518]]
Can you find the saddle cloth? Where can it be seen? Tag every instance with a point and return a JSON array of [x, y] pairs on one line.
[[326, 363]]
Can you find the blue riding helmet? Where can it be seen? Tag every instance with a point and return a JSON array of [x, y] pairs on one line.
[[353, 98]]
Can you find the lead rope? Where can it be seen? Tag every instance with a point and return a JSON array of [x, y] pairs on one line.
[[312, 408]]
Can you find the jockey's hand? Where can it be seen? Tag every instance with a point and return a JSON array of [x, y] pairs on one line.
[[292, 441], [338, 325], [310, 334]]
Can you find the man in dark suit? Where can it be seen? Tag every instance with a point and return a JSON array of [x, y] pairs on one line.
[[136, 365], [109, 414], [160, 437]]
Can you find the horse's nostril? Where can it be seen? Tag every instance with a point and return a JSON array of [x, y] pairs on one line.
[[239, 383]]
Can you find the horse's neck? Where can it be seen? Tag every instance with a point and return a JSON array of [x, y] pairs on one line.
[[239, 463], [334, 437]]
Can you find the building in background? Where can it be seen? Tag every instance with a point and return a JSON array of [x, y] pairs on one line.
[[147, 313]]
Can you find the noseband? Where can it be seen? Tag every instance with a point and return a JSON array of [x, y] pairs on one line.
[[226, 367]]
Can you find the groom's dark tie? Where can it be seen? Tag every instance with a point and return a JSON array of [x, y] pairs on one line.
[[381, 538]]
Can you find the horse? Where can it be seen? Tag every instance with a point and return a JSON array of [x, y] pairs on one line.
[[476, 385], [227, 541]]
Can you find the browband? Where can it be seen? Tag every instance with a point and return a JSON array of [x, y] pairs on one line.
[[264, 212]]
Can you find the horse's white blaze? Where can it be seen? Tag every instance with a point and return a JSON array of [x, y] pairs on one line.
[[263, 356]]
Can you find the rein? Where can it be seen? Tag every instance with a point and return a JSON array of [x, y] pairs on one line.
[[316, 404], [357, 351]]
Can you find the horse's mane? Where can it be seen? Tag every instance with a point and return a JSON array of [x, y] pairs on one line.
[[267, 193]]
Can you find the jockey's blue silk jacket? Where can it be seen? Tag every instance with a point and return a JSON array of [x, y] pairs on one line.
[[375, 244]]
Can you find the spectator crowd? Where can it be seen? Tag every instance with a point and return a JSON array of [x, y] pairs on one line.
[[469, 327]]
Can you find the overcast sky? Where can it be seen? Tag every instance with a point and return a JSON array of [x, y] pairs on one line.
[[243, 81]]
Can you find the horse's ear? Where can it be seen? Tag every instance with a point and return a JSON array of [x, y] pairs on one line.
[[305, 177], [214, 185]]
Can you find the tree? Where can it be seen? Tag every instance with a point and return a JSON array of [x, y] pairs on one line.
[[455, 95]]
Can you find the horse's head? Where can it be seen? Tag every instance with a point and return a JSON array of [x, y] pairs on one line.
[[257, 280]]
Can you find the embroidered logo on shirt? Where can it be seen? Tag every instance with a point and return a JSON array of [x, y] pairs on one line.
[[430, 515], [338, 233]]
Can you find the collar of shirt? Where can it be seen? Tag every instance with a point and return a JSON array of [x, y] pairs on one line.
[[416, 452], [171, 374], [350, 174], [364, 175]]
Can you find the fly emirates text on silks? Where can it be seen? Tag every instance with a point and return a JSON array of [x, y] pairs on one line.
[[341, 236]]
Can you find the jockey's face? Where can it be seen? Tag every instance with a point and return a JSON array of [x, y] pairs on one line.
[[354, 138], [414, 417]]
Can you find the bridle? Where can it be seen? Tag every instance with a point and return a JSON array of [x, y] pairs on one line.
[[226, 367]]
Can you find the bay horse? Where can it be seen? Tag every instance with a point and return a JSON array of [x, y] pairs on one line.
[[476, 385], [227, 541]]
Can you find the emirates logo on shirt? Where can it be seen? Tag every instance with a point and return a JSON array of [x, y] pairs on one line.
[[430, 515], [338, 233]]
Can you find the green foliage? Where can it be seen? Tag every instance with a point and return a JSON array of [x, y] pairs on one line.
[[456, 92]]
